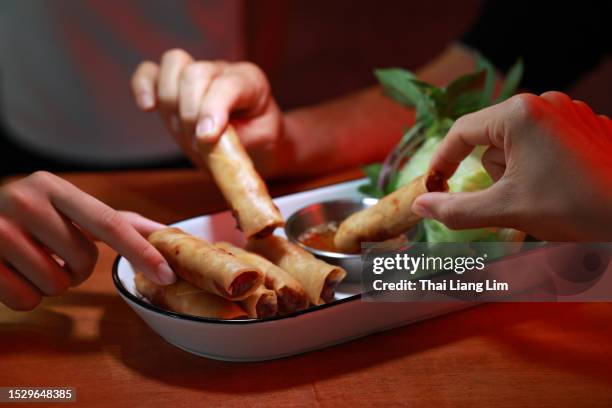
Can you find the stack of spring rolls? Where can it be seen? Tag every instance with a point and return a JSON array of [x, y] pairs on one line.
[[220, 280]]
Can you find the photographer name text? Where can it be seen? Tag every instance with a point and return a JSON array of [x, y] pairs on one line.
[[441, 286]]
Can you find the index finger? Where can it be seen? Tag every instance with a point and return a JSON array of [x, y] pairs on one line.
[[113, 228], [475, 129]]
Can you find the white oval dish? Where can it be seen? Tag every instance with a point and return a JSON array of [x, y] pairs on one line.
[[346, 318]]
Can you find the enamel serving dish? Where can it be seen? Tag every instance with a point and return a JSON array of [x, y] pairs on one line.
[[346, 318]]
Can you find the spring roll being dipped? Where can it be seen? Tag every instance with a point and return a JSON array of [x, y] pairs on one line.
[[182, 297], [262, 303], [388, 218], [318, 278], [289, 291], [205, 266], [241, 185]]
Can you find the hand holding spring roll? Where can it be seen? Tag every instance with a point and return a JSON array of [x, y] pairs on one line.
[[391, 216], [241, 185]]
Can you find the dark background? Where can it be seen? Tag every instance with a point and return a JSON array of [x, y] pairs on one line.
[[315, 50]]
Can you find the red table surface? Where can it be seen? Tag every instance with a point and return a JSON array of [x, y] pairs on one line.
[[525, 354]]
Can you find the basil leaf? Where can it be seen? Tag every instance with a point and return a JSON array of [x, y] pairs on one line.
[[489, 87], [466, 103], [393, 183], [428, 90], [465, 94], [424, 111], [372, 172], [433, 103], [397, 84], [370, 191], [512, 81], [469, 82]]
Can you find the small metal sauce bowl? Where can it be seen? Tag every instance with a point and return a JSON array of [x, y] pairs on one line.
[[320, 213]]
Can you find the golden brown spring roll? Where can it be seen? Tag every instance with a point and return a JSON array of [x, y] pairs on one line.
[[241, 185], [182, 297], [391, 216], [290, 293], [318, 278], [262, 303], [205, 266]]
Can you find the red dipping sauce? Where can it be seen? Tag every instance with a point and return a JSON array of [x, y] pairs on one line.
[[320, 237]]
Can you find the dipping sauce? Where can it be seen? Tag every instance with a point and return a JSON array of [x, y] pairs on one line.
[[320, 237]]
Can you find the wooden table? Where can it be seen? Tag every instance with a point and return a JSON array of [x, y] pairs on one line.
[[521, 355]]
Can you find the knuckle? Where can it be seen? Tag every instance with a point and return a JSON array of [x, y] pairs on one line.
[[199, 70], [43, 177], [111, 221], [142, 72], [258, 75], [18, 199], [175, 55], [228, 81], [146, 66], [460, 123], [251, 68], [555, 96], [525, 105]]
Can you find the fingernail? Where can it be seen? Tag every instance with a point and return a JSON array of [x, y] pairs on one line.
[[145, 100], [422, 211], [175, 123], [165, 274], [205, 127]]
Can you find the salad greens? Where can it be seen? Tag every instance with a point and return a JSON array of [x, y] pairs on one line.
[[437, 108]]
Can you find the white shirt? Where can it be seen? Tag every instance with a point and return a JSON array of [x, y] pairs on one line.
[[65, 70]]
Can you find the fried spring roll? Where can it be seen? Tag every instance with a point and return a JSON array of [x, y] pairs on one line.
[[290, 293], [262, 303], [182, 297], [205, 266], [391, 216], [241, 185], [318, 278]]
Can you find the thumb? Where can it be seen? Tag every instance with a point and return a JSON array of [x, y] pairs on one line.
[[485, 208]]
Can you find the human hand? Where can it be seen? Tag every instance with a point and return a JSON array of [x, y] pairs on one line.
[[551, 159], [46, 244], [199, 99]]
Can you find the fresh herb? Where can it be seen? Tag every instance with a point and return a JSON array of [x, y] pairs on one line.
[[437, 108]]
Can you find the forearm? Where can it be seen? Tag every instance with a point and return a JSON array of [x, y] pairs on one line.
[[358, 128]]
